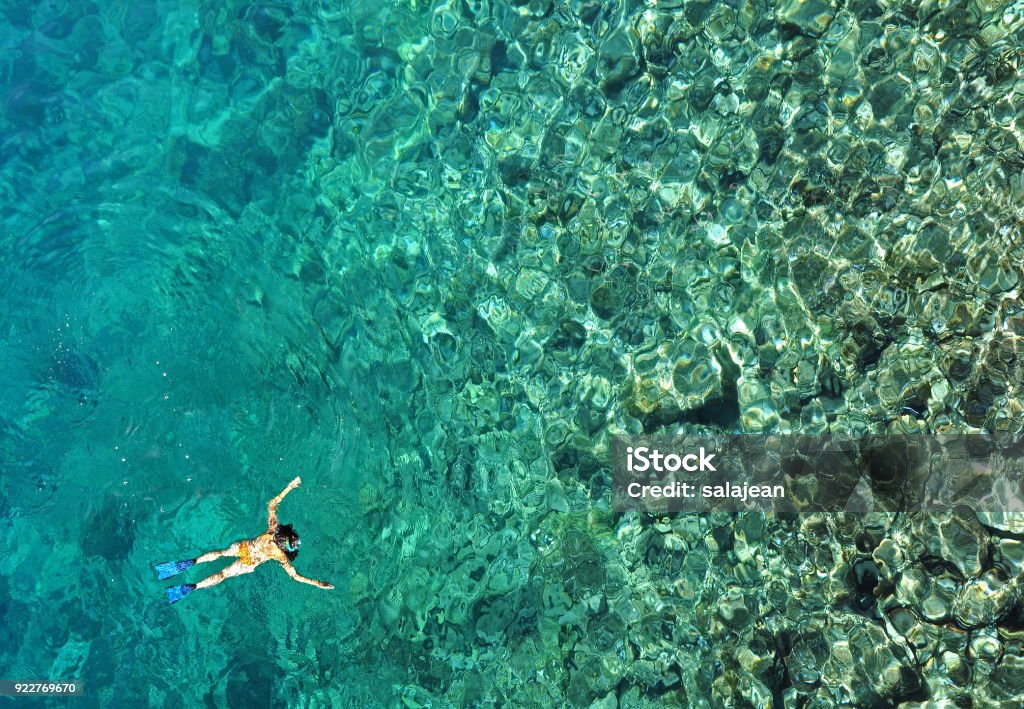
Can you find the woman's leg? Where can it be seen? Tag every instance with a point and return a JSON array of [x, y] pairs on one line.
[[173, 568], [212, 555], [176, 593], [236, 569]]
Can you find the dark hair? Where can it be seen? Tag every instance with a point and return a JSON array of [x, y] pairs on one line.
[[283, 535]]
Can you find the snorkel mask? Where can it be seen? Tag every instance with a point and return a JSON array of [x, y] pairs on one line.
[[287, 540]]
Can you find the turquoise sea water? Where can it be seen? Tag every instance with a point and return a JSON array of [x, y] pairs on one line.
[[431, 257]]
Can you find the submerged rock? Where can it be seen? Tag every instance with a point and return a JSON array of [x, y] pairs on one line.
[[109, 530]]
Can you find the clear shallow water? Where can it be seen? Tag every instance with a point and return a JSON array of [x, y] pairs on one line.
[[431, 259]]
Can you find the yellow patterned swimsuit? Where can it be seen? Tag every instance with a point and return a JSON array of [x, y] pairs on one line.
[[244, 555]]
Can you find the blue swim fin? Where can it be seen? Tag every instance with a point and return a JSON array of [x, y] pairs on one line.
[[173, 568], [176, 593]]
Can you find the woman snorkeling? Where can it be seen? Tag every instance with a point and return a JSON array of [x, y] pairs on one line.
[[280, 542]]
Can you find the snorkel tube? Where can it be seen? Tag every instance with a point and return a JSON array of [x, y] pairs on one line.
[[287, 540]]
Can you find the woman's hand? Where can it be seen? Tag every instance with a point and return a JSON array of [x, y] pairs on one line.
[[295, 483], [325, 585]]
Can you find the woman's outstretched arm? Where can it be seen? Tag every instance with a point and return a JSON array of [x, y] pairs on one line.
[[302, 579], [272, 505]]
